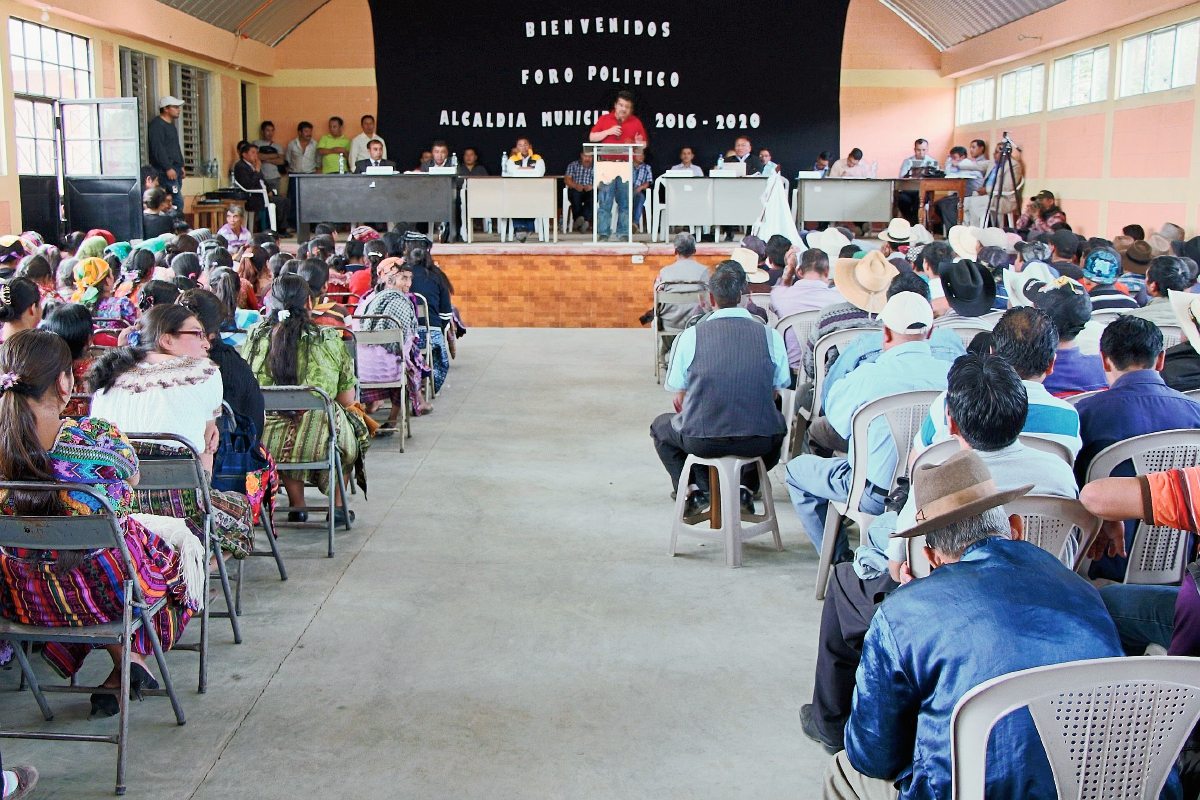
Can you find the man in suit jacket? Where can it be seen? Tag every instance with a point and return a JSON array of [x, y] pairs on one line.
[[741, 149], [376, 159], [248, 175]]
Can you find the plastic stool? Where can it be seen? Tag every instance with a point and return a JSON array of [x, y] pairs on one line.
[[724, 516]]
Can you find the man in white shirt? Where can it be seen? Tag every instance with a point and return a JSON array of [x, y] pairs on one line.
[[301, 156], [909, 201], [686, 157], [358, 145]]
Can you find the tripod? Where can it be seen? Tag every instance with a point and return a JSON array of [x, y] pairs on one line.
[[1003, 164]]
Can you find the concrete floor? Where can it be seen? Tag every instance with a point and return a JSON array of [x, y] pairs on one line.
[[502, 622]]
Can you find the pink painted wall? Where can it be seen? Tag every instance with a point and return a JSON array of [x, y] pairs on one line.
[[1152, 141], [883, 120], [1151, 216], [1075, 147], [1084, 216]]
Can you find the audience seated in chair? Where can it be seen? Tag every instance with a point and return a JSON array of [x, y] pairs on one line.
[[431, 282], [863, 282], [137, 270], [1138, 402], [36, 444], [386, 363], [907, 364], [725, 373], [992, 605], [1166, 616], [1067, 304], [227, 285], [802, 287], [987, 410], [685, 268], [94, 287], [288, 349], [73, 324], [166, 384], [20, 306]]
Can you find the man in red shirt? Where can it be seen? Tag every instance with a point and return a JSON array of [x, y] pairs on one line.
[[619, 126]]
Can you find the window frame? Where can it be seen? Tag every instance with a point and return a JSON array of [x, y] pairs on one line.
[[1146, 40], [1037, 88], [131, 62], [988, 87], [22, 51], [1072, 60]]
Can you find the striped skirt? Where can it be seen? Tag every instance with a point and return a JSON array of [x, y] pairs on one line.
[[34, 593]]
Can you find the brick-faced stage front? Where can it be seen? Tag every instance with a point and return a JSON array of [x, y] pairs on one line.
[[537, 285]]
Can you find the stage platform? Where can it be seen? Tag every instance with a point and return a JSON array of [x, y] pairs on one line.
[[571, 284]]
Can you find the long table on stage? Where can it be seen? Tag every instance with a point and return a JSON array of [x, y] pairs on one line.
[[504, 197], [866, 199], [409, 197], [710, 201]]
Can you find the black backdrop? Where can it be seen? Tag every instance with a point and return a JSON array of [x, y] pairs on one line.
[[777, 64]]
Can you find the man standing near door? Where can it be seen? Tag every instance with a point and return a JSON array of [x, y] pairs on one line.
[[166, 156]]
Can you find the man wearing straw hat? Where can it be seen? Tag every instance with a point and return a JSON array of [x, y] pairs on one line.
[[906, 364], [992, 605]]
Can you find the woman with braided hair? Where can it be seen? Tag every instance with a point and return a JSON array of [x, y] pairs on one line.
[[20, 306], [46, 587]]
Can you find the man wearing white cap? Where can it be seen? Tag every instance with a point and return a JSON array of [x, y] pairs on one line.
[[906, 364], [166, 156]]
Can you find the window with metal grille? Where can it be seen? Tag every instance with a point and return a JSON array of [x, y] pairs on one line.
[[1080, 78], [191, 86], [1021, 91], [139, 78], [975, 101], [1160, 60]]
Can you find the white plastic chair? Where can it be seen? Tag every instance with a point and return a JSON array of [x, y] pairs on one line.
[[267, 204], [1158, 554], [1111, 727], [1106, 316], [1050, 446], [1172, 335], [1076, 398], [967, 328], [800, 324], [904, 413], [820, 356], [1194, 394], [724, 515]]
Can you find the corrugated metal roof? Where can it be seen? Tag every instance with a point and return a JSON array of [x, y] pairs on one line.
[[948, 22], [266, 21]]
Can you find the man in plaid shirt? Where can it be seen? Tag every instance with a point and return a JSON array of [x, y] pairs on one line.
[[643, 178], [579, 179]]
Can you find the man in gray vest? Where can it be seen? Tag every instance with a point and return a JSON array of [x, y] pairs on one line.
[[725, 373]]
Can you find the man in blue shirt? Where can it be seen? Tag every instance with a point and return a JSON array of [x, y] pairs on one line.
[[906, 364], [909, 200], [1138, 402], [725, 372], [992, 605]]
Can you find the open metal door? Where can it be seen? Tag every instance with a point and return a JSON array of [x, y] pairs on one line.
[[36, 127], [101, 165]]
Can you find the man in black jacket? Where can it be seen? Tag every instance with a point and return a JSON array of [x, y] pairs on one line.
[[375, 150], [166, 156], [248, 175], [741, 154]]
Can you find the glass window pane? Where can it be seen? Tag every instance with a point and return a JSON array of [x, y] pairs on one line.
[[16, 38], [34, 80], [65, 49], [1037, 88], [43, 120], [26, 159], [1187, 49], [20, 82], [1081, 79], [23, 117], [83, 84], [82, 158], [67, 77], [33, 41], [45, 156], [1133, 66], [49, 46], [1099, 75], [1007, 83], [1159, 59], [1060, 96], [120, 157], [81, 54]]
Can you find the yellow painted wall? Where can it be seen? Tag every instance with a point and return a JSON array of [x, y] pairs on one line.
[[1112, 163]]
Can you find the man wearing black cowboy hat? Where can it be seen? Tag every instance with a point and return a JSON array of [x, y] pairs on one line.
[[992, 605], [970, 290]]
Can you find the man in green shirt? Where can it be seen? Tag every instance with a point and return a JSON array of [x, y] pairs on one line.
[[333, 146]]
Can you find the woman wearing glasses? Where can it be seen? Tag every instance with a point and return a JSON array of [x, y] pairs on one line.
[[167, 384]]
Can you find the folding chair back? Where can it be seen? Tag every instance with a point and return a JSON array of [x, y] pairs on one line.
[[1111, 727], [967, 329], [285, 399], [1158, 554], [1054, 448], [1194, 394], [1105, 317], [936, 453], [991, 318], [99, 531], [422, 306], [671, 293], [379, 338]]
